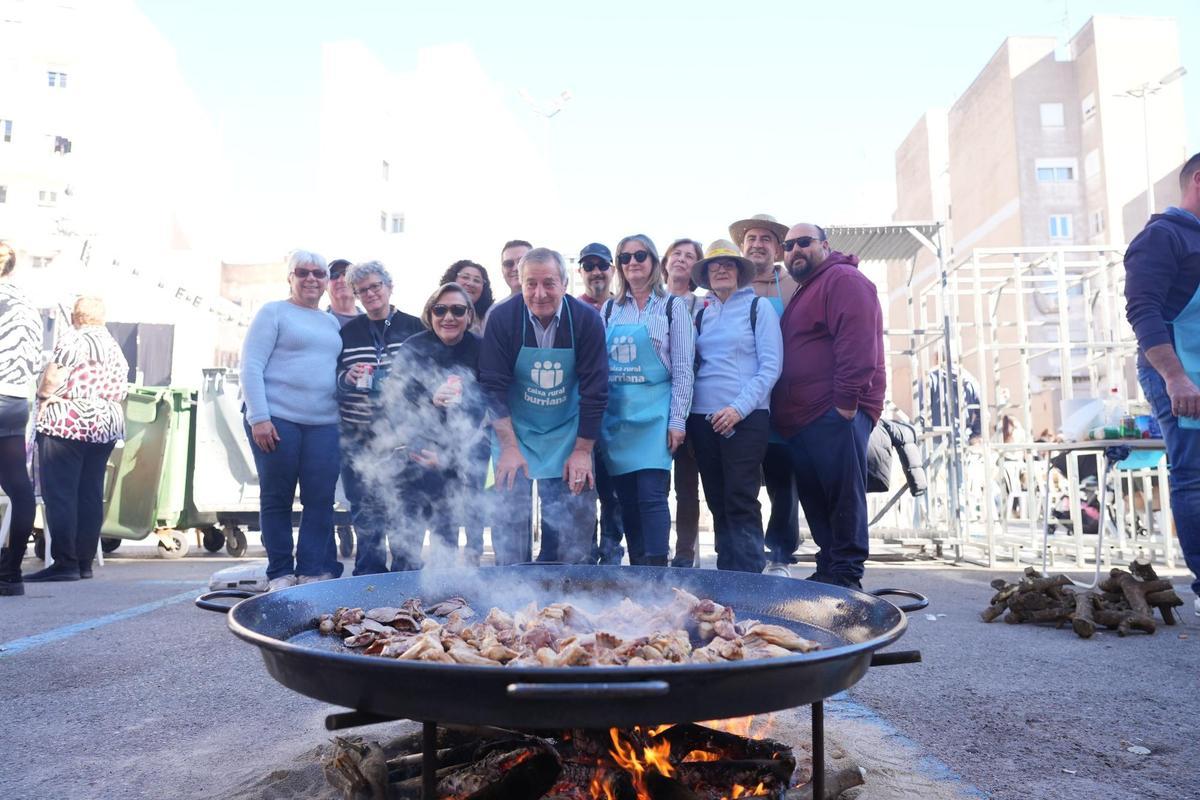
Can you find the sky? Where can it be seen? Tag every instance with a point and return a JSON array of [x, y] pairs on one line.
[[684, 115]]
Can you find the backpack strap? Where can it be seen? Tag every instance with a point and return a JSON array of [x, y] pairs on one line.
[[608, 306], [700, 320], [754, 313], [670, 304]]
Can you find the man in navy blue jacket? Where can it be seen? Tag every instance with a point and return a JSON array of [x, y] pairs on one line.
[[1162, 294], [544, 367]]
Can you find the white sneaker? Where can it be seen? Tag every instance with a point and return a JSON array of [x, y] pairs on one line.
[[324, 576], [282, 582], [779, 570]]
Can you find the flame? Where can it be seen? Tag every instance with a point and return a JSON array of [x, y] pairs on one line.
[[748, 727], [599, 789], [742, 791], [654, 757], [701, 755]]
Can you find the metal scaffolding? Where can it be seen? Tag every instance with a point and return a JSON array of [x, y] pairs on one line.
[[1038, 328]]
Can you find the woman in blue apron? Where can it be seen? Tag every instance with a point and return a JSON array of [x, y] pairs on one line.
[[650, 371], [739, 355]]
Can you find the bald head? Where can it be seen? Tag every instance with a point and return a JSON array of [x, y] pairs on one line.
[[808, 249]]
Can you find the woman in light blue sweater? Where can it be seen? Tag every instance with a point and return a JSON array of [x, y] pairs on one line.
[[289, 362], [739, 354]]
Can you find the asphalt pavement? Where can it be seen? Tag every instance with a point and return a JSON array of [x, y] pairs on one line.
[[119, 688]]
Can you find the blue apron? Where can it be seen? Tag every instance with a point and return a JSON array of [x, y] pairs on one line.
[[544, 402], [1187, 347], [634, 430]]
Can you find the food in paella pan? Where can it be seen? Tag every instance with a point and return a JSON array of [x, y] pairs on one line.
[[687, 629]]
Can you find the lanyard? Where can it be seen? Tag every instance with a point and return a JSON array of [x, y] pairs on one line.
[[380, 342]]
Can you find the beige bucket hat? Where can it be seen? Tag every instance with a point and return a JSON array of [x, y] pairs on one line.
[[737, 230], [722, 248]]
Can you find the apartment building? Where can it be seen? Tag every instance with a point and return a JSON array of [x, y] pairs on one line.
[[109, 169], [1046, 147]]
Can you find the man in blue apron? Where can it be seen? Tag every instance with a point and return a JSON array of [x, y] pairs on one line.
[[544, 367], [761, 240], [1162, 304]]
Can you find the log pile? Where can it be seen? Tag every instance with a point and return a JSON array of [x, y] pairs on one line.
[[1124, 602]]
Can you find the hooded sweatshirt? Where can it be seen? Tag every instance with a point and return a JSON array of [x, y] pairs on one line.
[[1162, 272], [832, 347]]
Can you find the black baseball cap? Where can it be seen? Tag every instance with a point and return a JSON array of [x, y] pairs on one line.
[[596, 250]]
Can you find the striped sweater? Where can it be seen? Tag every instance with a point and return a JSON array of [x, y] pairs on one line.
[[20, 342], [367, 341]]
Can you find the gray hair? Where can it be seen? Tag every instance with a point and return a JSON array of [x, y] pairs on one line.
[[299, 258], [543, 255], [365, 270], [657, 278]]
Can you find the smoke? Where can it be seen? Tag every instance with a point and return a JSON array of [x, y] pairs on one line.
[[412, 498]]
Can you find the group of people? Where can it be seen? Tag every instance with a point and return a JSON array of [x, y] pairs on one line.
[[447, 421], [78, 420]]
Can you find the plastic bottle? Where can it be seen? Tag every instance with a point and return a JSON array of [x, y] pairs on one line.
[[1114, 408]]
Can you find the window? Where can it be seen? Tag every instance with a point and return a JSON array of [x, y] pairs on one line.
[[57, 79], [1055, 170], [39, 262], [1088, 107], [397, 223], [62, 145], [386, 169], [1097, 221], [47, 197], [1060, 226], [6, 124], [3, 194], [1091, 164], [1052, 115], [383, 221]]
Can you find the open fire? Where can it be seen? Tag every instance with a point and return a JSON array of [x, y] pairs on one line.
[[722, 760]]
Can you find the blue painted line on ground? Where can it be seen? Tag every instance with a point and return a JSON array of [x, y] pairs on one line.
[[840, 706], [18, 646]]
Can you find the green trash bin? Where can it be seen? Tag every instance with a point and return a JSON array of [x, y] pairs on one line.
[[147, 479]]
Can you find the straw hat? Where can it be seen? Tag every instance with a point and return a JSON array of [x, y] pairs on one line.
[[722, 248], [737, 230]]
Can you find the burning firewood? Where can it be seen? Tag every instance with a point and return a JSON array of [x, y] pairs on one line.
[[1125, 601]]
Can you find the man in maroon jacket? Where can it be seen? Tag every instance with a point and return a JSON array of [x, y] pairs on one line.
[[829, 396]]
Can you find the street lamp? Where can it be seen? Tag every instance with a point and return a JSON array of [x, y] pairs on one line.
[[1143, 93]]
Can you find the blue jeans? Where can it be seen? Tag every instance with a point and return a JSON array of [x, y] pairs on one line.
[[643, 496], [572, 516], [1183, 466], [612, 529], [829, 456], [367, 515], [307, 455]]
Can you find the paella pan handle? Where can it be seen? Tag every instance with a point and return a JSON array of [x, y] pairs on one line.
[[205, 601], [591, 691], [922, 600]]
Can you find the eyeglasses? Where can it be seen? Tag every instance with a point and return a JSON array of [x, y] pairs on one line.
[[802, 241], [588, 266], [457, 311], [334, 274], [639, 257], [723, 264], [370, 288], [302, 273]]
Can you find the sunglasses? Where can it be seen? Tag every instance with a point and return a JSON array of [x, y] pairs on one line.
[[457, 311], [370, 288], [588, 266], [639, 257], [302, 273], [509, 263], [802, 241], [334, 274]]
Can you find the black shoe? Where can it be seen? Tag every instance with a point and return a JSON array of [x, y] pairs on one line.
[[53, 573], [848, 582], [85, 573], [685, 563], [12, 588], [821, 577]]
